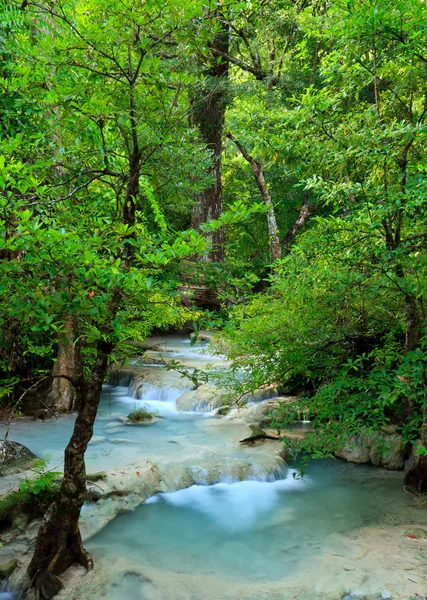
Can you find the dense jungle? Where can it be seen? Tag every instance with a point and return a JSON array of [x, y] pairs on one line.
[[213, 279]]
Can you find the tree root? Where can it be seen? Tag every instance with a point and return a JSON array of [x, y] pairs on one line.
[[258, 435], [45, 571]]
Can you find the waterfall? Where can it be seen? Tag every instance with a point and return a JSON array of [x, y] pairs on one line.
[[161, 399], [232, 506]]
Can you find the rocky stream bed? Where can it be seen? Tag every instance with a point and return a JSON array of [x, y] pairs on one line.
[[179, 509]]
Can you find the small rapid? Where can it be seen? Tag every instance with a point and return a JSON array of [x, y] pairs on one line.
[[195, 515], [248, 533]]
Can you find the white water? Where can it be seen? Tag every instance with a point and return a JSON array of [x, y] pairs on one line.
[[158, 399], [232, 506], [247, 532], [261, 530]]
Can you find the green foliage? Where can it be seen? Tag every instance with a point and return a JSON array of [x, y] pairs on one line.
[[33, 496], [140, 414], [343, 323], [196, 376], [40, 490]]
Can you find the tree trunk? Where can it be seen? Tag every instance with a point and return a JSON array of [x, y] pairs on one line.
[[208, 115], [59, 543], [412, 321], [68, 366], [415, 480], [304, 214], [257, 170]]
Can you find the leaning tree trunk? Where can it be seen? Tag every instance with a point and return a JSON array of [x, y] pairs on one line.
[[68, 366], [258, 171], [59, 543], [208, 115]]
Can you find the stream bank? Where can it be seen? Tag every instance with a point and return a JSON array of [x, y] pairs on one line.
[[180, 510]]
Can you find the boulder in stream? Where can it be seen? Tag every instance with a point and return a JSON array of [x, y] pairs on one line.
[[14, 458], [367, 449], [206, 397]]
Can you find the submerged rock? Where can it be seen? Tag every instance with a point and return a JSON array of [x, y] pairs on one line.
[[14, 458]]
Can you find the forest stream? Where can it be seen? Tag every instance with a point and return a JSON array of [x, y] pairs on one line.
[[182, 511]]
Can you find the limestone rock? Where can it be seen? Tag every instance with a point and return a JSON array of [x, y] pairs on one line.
[[260, 413], [365, 449], [14, 458], [127, 421], [206, 397]]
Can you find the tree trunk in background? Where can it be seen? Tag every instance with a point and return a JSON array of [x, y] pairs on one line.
[[208, 115], [415, 480], [412, 321], [257, 170], [304, 214], [63, 395]]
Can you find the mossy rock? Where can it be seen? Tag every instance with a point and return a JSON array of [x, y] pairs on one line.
[[7, 568], [15, 458], [99, 476], [18, 508]]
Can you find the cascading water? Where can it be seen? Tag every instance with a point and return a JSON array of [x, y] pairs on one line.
[[238, 517], [161, 399], [246, 533], [5, 594]]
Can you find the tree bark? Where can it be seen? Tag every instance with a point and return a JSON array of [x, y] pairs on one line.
[[68, 366], [59, 543], [208, 115], [304, 214], [258, 171], [412, 321]]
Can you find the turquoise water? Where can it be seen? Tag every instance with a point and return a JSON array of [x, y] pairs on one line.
[[251, 530]]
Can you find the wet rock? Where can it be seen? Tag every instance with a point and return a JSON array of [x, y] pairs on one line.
[[203, 336], [7, 568], [14, 458], [99, 476], [127, 421], [260, 413], [206, 397], [210, 397], [367, 449], [258, 435]]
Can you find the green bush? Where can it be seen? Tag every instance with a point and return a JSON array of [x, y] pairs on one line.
[[140, 414]]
